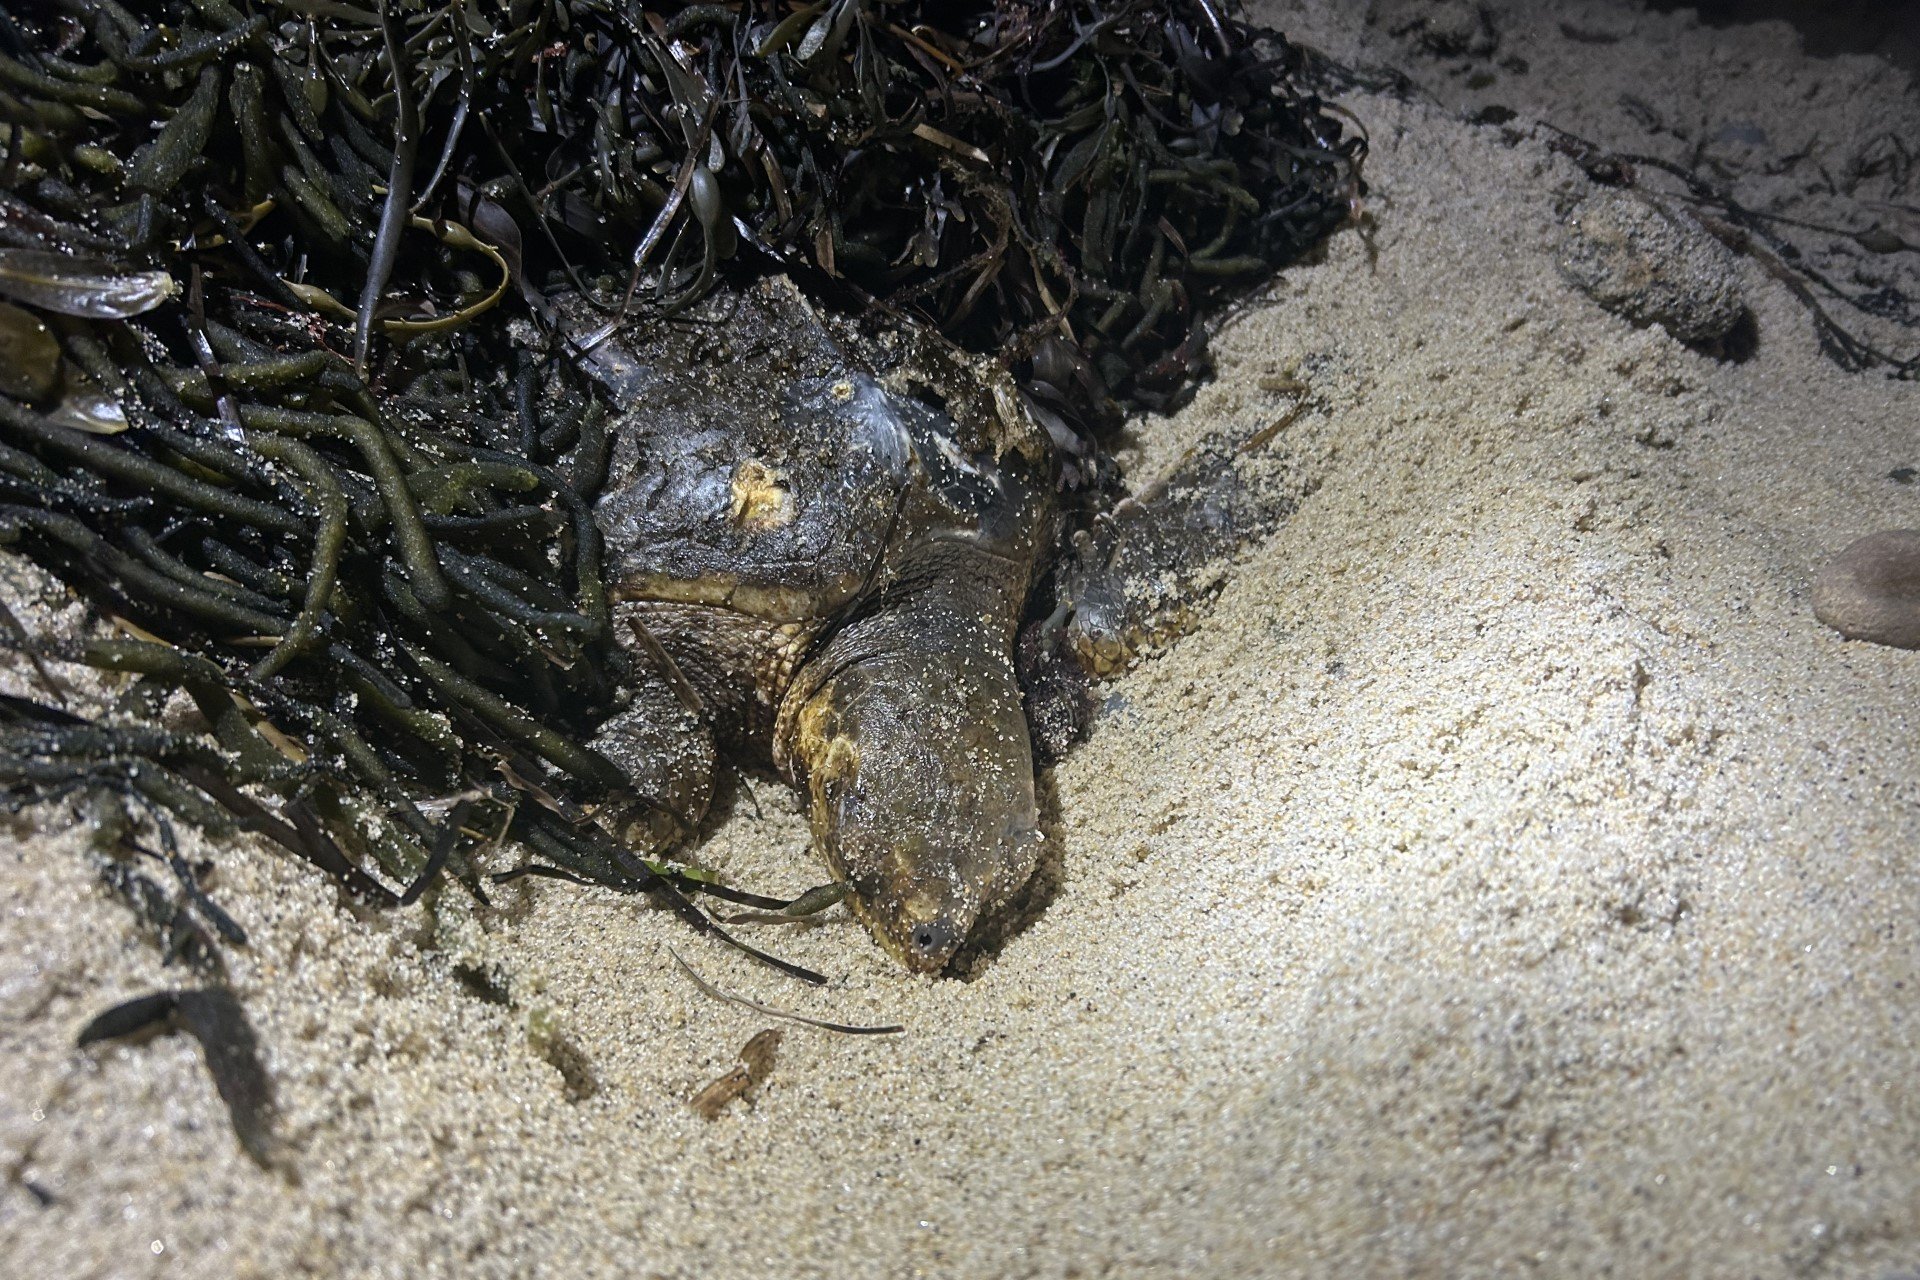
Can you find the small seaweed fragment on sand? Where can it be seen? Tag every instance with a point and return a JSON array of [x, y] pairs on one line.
[[214, 1017], [843, 1028], [755, 1065]]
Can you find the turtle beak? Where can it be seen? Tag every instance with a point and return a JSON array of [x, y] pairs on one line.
[[919, 777]]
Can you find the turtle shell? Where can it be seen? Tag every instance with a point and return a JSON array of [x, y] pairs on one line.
[[771, 462]]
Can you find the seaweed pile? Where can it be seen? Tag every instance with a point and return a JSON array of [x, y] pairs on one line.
[[280, 394]]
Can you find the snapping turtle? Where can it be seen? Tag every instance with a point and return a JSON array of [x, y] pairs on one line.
[[821, 538]]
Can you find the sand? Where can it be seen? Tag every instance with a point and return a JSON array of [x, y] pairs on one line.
[[1510, 876]]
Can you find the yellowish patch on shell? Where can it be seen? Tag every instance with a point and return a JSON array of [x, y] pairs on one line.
[[760, 497]]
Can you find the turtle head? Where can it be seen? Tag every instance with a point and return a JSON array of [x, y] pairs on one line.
[[912, 744]]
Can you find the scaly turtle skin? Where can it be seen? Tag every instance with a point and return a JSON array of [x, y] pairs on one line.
[[820, 542]]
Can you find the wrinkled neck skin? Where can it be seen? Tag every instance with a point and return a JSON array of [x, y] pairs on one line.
[[907, 732]]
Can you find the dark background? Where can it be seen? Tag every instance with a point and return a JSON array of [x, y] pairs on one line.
[[1890, 28]]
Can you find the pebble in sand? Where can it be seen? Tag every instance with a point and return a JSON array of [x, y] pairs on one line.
[[1871, 591]]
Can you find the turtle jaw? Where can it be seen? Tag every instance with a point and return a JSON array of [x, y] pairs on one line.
[[919, 777]]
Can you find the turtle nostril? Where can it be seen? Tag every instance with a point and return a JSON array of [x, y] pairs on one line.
[[933, 939]]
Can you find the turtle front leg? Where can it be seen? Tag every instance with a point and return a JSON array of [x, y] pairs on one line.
[[1143, 575], [667, 753]]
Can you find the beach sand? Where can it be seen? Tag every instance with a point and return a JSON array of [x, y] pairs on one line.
[[1509, 876]]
